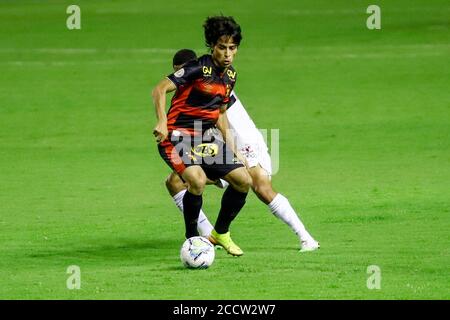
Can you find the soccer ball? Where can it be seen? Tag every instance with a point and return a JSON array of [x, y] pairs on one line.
[[197, 253]]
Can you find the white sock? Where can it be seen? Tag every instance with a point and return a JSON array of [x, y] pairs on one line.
[[204, 227], [281, 208]]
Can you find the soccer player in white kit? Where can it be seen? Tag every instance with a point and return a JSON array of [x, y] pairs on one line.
[[251, 145]]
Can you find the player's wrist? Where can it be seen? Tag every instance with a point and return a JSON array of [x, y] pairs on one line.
[[162, 123]]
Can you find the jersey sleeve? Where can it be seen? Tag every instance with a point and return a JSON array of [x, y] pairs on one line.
[[229, 95], [232, 100], [190, 72]]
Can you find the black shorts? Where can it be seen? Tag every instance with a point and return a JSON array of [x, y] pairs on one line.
[[209, 151]]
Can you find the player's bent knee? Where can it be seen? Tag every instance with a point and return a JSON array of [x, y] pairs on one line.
[[174, 184], [241, 180], [170, 181], [196, 180], [169, 185]]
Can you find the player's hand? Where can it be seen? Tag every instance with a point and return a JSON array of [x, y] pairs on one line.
[[160, 132], [242, 159]]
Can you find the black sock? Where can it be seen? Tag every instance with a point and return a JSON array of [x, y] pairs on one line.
[[191, 209], [232, 203]]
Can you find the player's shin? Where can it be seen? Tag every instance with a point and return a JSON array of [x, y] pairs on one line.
[[191, 209], [204, 227], [281, 208], [232, 203]]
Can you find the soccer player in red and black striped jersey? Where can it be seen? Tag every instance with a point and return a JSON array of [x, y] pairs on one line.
[[253, 148], [203, 88]]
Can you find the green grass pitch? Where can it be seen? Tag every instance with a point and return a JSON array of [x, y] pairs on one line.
[[364, 120]]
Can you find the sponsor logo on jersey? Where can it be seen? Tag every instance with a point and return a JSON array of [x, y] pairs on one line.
[[248, 152], [206, 150], [228, 90], [207, 71], [191, 157], [179, 73], [231, 74]]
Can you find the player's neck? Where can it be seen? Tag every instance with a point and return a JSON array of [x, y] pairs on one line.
[[217, 66]]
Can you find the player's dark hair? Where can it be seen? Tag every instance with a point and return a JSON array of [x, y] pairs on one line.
[[218, 26], [183, 56]]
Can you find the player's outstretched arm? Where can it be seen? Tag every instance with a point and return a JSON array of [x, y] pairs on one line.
[[159, 101], [224, 127]]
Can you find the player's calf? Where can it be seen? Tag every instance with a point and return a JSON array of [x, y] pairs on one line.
[[233, 199], [174, 184], [261, 184], [193, 200]]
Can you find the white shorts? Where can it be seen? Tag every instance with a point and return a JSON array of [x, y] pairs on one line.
[[249, 140]]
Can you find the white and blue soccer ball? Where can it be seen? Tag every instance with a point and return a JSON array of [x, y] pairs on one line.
[[197, 253]]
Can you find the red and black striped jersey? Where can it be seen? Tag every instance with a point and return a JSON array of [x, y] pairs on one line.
[[202, 88]]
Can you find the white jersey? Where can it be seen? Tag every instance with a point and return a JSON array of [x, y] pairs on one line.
[[249, 140]]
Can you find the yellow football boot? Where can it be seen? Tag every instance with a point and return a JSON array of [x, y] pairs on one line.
[[225, 241]]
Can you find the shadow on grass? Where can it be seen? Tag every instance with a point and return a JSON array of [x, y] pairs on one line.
[[111, 248]]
